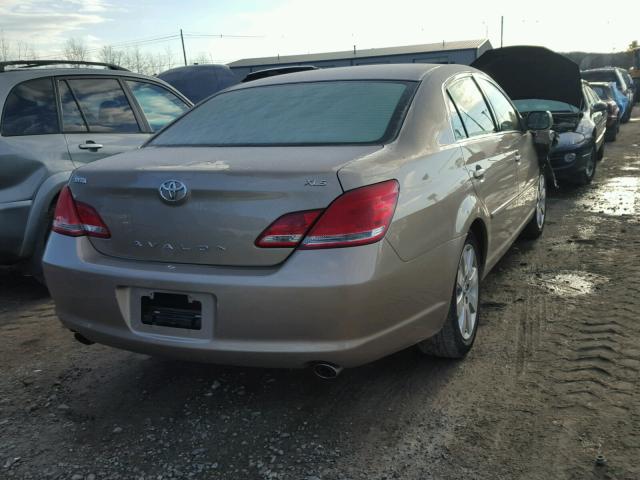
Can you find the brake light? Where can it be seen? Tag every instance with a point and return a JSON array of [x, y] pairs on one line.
[[77, 219], [357, 217], [288, 230]]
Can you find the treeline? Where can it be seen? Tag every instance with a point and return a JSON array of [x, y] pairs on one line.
[[596, 60], [131, 58]]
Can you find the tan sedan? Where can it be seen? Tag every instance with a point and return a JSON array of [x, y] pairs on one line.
[[324, 218]]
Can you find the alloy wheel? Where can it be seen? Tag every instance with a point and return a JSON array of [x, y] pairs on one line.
[[467, 289]]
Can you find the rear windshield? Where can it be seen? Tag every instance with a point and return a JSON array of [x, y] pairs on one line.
[[313, 113], [537, 104], [602, 76]]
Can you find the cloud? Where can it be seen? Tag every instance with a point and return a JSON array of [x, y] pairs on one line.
[[46, 25]]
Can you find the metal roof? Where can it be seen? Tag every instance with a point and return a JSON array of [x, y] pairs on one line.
[[366, 53]]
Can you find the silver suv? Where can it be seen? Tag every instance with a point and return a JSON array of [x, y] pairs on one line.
[[55, 119]]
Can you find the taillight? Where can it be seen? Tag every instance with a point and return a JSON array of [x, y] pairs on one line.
[[76, 219], [288, 230], [357, 217]]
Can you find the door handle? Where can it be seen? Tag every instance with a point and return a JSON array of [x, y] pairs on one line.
[[90, 146], [478, 172], [518, 157]]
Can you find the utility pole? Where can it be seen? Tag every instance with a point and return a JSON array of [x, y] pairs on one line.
[[184, 52], [501, 30]]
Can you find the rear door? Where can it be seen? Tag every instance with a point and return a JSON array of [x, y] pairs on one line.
[[490, 159], [520, 147], [98, 119]]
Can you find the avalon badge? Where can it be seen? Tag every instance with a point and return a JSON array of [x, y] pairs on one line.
[[173, 191]]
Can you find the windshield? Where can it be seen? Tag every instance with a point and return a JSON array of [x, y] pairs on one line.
[[537, 104], [602, 92], [601, 76], [313, 113]]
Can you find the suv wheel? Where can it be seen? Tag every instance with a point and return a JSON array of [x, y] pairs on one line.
[[459, 331]]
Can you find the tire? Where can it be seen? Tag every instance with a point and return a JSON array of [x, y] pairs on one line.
[[586, 175], [458, 333], [535, 227], [626, 117], [601, 152], [612, 134], [35, 262]]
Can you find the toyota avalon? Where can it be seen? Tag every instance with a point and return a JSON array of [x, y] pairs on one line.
[[324, 218]]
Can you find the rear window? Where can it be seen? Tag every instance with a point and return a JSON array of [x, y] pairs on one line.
[[314, 113], [30, 109]]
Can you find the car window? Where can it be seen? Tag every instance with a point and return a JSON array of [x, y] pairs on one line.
[[104, 105], [30, 109], [600, 91], [72, 120], [506, 115], [472, 107], [535, 104], [158, 104], [456, 122], [309, 113]]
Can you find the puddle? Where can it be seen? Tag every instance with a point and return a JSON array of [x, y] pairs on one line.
[[617, 196], [569, 284]]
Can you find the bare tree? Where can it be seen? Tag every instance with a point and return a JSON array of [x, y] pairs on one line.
[[5, 48], [108, 54], [75, 49]]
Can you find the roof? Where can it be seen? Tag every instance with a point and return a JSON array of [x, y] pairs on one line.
[[407, 72], [366, 53]]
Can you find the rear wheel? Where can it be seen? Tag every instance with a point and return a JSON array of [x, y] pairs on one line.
[[459, 331]]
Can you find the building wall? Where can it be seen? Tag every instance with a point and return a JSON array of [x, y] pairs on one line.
[[464, 57]]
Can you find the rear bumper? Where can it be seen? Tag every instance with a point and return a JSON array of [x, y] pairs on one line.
[[13, 220], [346, 306]]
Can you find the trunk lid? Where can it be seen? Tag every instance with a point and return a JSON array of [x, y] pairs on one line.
[[233, 195]]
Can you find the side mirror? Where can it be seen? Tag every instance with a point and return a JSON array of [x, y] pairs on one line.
[[599, 107], [539, 120]]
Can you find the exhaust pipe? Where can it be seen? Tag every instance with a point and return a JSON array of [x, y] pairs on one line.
[[82, 339], [326, 371]]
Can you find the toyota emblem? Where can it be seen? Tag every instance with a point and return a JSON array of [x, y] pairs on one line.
[[173, 191]]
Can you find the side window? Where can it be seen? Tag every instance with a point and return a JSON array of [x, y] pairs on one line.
[[30, 109], [472, 107], [104, 105], [505, 113], [72, 120], [456, 122], [159, 105]]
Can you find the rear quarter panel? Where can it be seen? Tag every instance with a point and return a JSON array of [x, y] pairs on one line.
[[437, 202]]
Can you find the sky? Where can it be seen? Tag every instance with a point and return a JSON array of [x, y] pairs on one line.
[[256, 28]]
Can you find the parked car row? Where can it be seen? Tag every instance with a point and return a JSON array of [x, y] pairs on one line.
[[320, 218]]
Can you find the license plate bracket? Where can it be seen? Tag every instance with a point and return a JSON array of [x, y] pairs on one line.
[[172, 310]]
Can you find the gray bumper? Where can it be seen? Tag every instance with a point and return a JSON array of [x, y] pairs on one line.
[[345, 306]]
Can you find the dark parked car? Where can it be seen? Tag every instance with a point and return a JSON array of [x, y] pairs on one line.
[[608, 93], [197, 82], [612, 74], [538, 79]]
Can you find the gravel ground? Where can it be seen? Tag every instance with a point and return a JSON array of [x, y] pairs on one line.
[[550, 391]]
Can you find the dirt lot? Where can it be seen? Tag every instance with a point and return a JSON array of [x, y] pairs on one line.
[[552, 383]]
